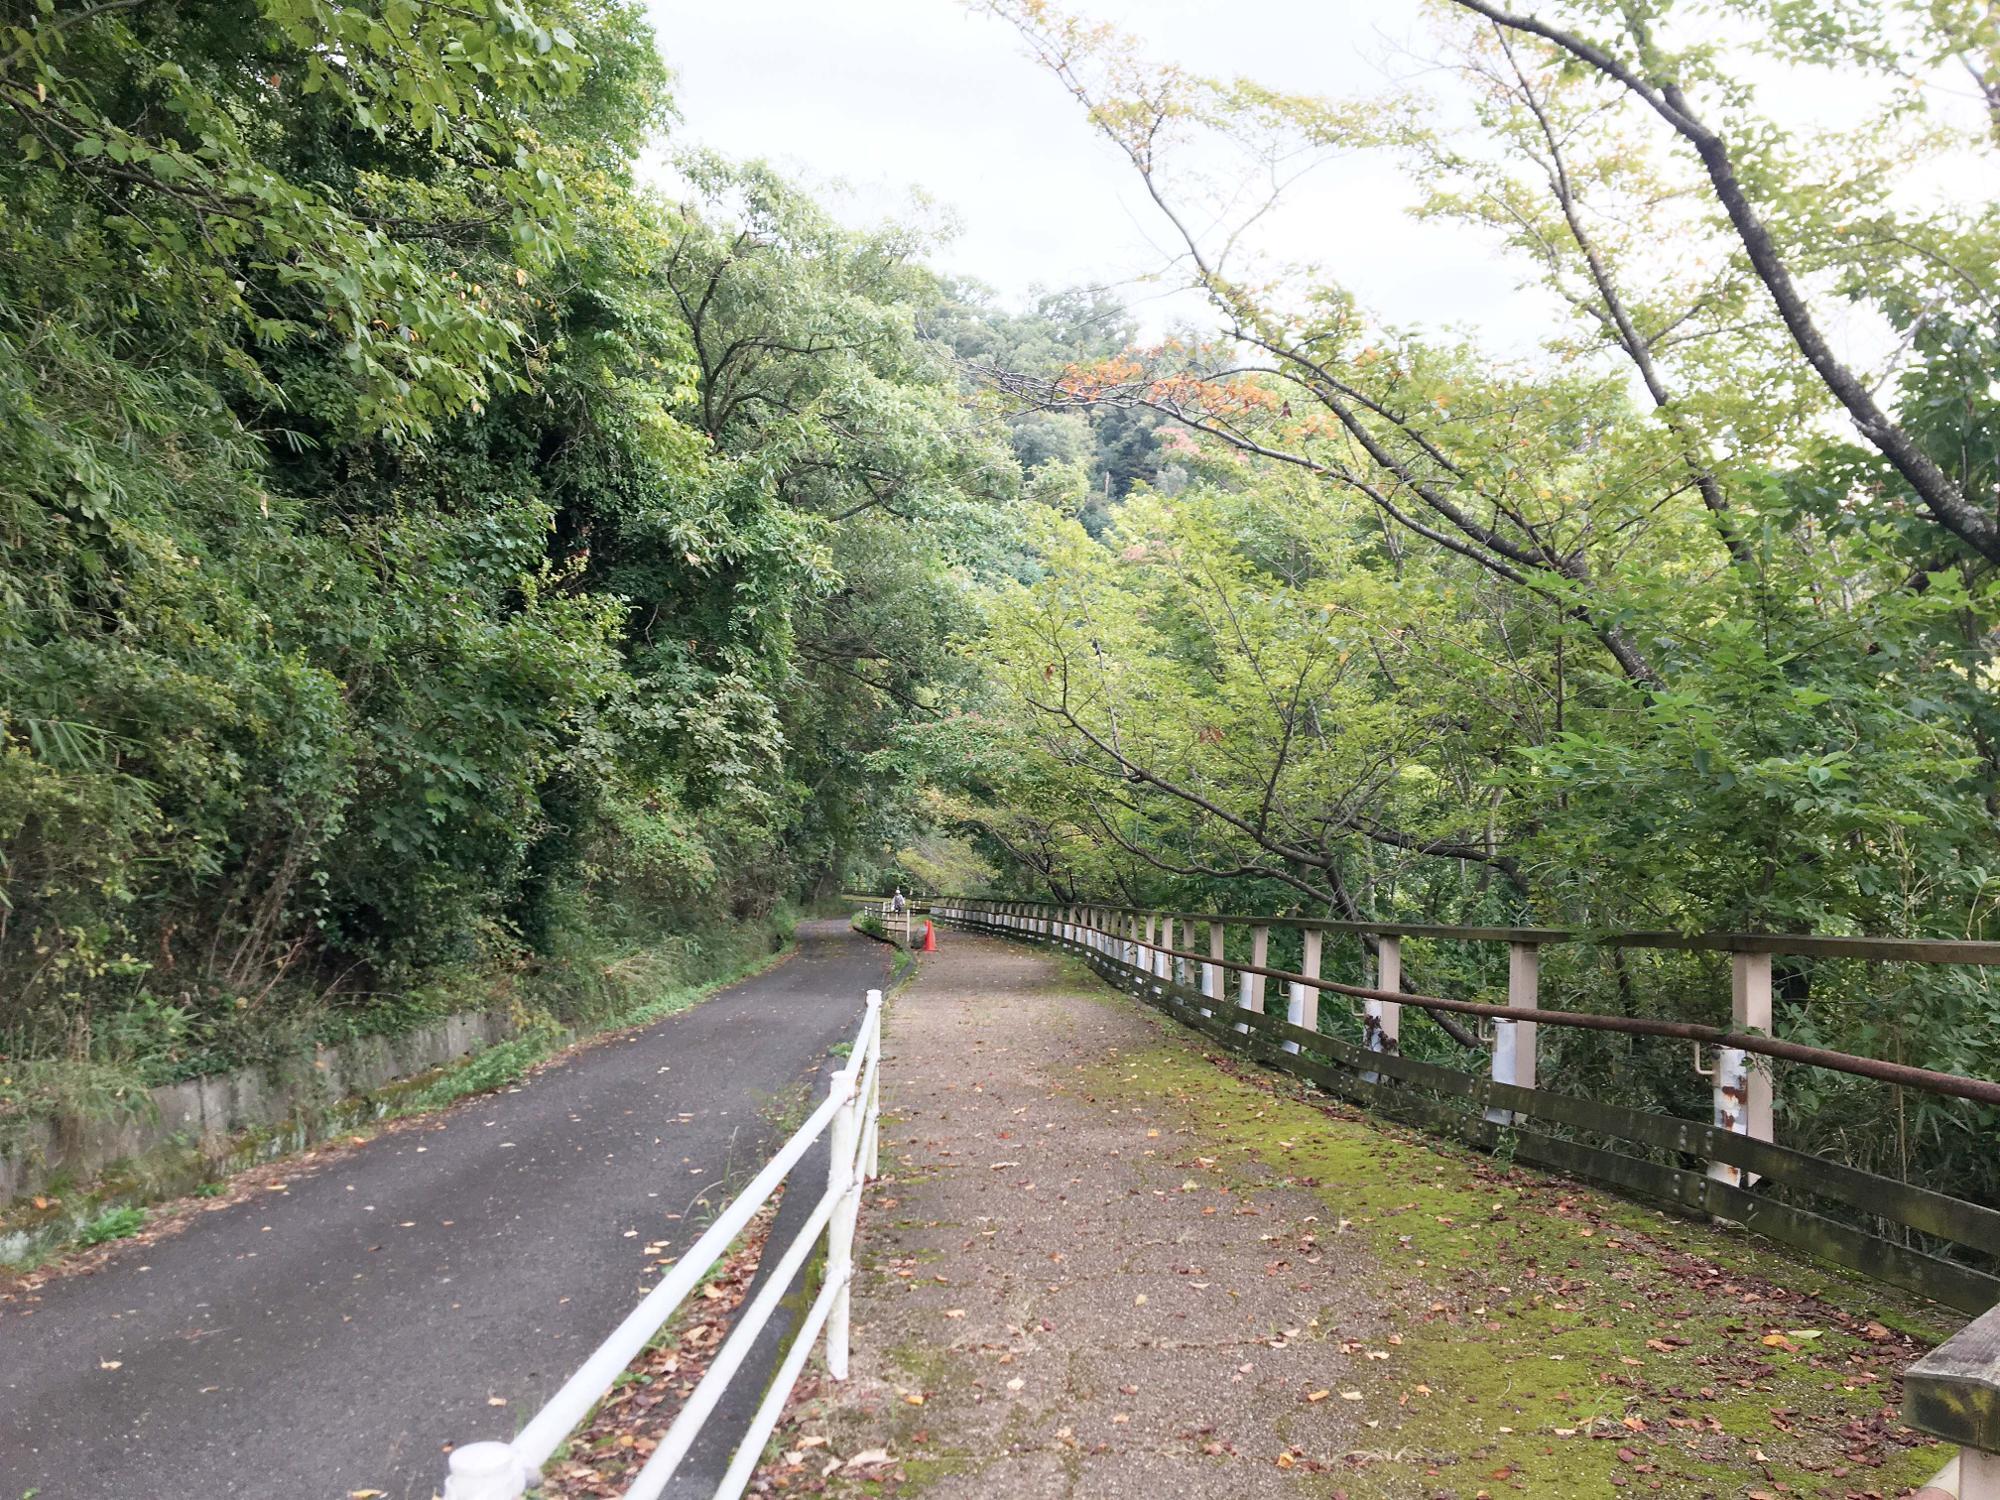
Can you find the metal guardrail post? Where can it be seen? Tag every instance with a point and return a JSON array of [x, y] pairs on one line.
[[871, 1113], [487, 1471], [843, 1182]]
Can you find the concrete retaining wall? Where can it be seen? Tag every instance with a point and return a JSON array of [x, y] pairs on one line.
[[214, 1108]]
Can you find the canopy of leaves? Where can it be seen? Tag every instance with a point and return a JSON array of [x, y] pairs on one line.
[[428, 553]]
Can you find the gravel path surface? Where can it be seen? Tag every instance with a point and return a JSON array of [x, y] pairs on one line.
[[1062, 1296], [330, 1335]]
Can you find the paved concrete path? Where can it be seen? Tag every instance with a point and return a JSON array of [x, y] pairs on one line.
[[434, 1285]]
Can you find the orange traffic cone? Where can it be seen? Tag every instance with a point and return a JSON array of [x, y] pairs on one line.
[[930, 938]]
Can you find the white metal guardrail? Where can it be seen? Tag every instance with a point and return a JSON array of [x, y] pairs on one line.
[[506, 1471]]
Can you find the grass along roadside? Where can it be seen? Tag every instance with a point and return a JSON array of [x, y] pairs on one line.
[[1550, 1338], [68, 1228]]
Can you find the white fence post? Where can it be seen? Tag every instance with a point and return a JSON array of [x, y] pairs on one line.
[[486, 1471], [1382, 1031], [871, 1115], [1250, 994], [840, 1182], [1211, 972], [1514, 1041], [1743, 1094], [1302, 1010], [1163, 962]]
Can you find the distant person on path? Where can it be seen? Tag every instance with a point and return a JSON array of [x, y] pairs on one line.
[[896, 902]]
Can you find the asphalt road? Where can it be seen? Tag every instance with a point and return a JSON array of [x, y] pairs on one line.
[[332, 1337]]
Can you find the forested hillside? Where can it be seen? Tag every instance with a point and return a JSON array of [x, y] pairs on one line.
[[439, 565], [1684, 620], [437, 568]]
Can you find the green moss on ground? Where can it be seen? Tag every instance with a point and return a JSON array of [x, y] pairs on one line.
[[1550, 1339]]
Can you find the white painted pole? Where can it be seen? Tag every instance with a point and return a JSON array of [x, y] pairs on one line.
[[1514, 1041], [1163, 967], [871, 1155], [1743, 1093], [1383, 1030], [1250, 987], [487, 1471], [1978, 1474], [1302, 1008], [1211, 972], [1260, 955], [840, 1183]]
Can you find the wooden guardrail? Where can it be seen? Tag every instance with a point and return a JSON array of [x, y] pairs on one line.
[[1953, 1392], [1729, 1166]]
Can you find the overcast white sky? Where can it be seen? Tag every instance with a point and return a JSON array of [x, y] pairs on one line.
[[871, 101], [887, 97]]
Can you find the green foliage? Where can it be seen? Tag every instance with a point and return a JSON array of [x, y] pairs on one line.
[[112, 1224], [1625, 634], [433, 564]]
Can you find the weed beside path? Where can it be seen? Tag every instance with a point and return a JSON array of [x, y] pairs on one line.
[[1102, 1263]]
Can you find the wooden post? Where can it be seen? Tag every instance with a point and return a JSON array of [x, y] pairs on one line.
[[1743, 1094], [1303, 1009], [1163, 968], [1514, 1041]]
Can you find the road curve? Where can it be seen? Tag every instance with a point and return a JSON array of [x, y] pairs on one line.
[[333, 1336]]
